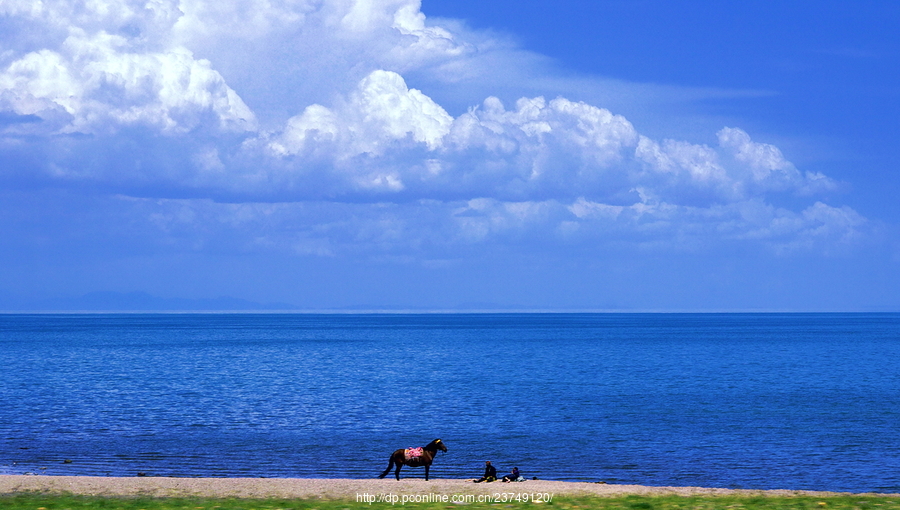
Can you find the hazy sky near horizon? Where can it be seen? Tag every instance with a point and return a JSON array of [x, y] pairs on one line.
[[635, 155]]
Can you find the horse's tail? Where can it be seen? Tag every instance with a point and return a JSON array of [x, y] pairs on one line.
[[390, 466]]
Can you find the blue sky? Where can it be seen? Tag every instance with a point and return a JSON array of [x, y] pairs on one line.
[[391, 154]]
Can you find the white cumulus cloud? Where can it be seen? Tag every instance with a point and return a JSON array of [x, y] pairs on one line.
[[100, 86], [306, 101], [380, 111]]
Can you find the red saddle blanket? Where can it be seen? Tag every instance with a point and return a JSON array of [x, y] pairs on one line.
[[412, 453]]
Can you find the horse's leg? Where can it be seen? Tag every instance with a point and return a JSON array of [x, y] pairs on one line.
[[397, 473], [426, 472], [388, 470]]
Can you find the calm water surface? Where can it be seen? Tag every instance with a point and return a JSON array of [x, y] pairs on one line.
[[797, 401]]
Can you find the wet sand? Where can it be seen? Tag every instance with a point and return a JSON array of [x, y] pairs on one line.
[[353, 489]]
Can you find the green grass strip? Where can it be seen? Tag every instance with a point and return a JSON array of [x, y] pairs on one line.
[[36, 501], [32, 501]]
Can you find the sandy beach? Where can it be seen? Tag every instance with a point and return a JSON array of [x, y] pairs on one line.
[[336, 488]]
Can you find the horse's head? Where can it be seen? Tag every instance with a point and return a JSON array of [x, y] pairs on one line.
[[438, 445]]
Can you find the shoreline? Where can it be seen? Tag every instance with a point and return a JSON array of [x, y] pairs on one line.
[[345, 488]]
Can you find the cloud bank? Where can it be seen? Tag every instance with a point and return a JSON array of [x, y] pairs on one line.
[[290, 125]]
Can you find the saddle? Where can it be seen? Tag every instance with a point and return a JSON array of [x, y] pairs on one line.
[[413, 453]]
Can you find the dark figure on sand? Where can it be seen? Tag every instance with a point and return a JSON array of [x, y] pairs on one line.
[[414, 457], [490, 473], [512, 477]]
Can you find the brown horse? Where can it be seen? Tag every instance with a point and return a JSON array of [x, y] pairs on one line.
[[428, 453]]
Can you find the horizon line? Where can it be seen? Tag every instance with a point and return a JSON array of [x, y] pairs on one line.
[[440, 311]]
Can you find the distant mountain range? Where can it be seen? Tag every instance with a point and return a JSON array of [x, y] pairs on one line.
[[140, 301], [106, 301]]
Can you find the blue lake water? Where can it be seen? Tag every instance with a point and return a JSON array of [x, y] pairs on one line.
[[764, 401]]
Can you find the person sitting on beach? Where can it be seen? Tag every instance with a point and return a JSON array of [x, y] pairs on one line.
[[490, 473], [512, 477]]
